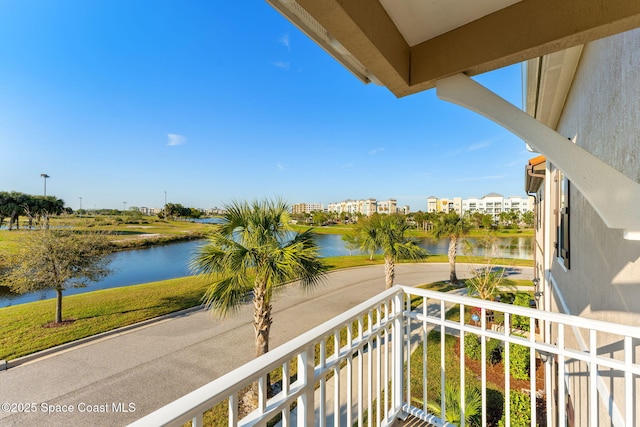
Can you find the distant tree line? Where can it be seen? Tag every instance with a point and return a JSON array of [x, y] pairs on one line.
[[425, 220], [13, 205], [176, 210]]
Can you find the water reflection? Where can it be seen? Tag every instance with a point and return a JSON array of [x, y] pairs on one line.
[[171, 261]]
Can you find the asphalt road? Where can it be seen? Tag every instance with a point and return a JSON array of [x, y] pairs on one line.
[[118, 379]]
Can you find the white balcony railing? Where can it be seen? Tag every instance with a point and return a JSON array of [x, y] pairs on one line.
[[387, 357]]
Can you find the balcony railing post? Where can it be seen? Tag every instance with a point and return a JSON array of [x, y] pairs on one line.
[[398, 359], [306, 405], [385, 345]]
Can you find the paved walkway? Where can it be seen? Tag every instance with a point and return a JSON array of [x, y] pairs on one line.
[[118, 379]]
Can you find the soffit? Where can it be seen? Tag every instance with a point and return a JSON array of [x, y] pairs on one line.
[[419, 20], [408, 45], [548, 82]]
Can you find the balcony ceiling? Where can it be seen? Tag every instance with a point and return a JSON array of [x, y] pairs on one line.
[[408, 45]]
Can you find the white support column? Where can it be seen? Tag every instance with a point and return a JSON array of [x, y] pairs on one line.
[[398, 357], [590, 175], [306, 406]]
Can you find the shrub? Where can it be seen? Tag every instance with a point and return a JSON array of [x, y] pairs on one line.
[[520, 410], [519, 361], [494, 351], [521, 322], [473, 349]]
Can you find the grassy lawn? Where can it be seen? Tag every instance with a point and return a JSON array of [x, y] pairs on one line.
[[126, 233], [330, 229], [21, 326]]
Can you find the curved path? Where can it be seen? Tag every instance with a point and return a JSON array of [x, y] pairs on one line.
[[120, 378]]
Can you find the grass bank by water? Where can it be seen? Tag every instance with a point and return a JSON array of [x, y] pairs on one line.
[[22, 328], [125, 233]]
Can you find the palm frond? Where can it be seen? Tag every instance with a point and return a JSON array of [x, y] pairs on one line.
[[226, 295]]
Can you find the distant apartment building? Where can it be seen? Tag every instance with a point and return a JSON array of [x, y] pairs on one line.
[[299, 208], [149, 211], [492, 204], [214, 211], [444, 205], [366, 206]]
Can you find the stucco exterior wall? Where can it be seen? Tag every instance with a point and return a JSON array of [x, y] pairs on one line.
[[602, 113]]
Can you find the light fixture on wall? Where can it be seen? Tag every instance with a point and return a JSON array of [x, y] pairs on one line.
[[537, 294]]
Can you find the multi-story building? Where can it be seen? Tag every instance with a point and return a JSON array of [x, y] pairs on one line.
[[365, 206], [149, 211], [491, 204], [435, 204], [306, 208], [387, 207]]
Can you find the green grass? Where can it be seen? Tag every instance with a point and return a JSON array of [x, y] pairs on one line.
[[330, 229], [125, 232], [22, 328]]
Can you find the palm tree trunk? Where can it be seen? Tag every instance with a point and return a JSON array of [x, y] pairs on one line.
[[261, 321], [453, 246], [389, 271], [58, 305], [261, 325]]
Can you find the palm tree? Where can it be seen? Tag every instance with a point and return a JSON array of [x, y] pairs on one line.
[[254, 250], [488, 279], [386, 233], [453, 226], [453, 410]]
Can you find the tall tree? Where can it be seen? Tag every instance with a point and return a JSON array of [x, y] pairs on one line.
[[528, 218], [58, 260], [255, 241], [453, 226], [387, 233]]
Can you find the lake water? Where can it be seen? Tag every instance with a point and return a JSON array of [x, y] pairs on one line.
[[171, 261]]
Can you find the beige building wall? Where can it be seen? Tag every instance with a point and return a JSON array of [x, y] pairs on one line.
[[601, 115]]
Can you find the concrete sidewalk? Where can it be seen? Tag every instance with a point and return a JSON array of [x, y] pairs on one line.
[[120, 378]]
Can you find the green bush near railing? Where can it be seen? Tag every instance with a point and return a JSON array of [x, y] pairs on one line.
[[519, 358], [520, 408]]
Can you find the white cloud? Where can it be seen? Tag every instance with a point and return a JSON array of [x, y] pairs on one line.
[[281, 64], [285, 41], [478, 145], [376, 151], [175, 139], [469, 148], [280, 166], [346, 166]]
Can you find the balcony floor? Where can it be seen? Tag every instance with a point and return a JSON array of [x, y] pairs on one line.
[[411, 421]]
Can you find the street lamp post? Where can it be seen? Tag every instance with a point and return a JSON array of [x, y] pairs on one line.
[[45, 176], [125, 206]]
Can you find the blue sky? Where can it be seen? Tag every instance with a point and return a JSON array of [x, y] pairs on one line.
[[119, 101]]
